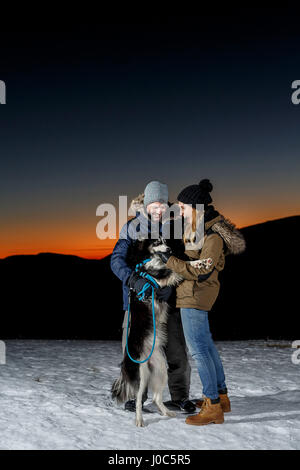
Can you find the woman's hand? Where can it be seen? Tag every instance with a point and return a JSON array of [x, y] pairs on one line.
[[199, 263]]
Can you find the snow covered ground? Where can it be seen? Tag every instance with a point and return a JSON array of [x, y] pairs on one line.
[[56, 395]]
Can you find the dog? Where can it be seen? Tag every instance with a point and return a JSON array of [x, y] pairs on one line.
[[135, 378]]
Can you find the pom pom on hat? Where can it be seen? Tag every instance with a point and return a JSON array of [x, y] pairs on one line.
[[206, 186], [197, 193]]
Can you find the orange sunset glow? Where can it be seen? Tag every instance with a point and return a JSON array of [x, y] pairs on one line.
[[83, 241], [122, 112]]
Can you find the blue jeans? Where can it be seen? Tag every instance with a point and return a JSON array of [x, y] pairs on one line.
[[203, 351]]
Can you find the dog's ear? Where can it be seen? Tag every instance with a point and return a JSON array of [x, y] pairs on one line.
[[145, 244], [141, 245], [148, 244]]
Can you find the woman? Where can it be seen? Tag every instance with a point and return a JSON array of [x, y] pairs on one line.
[[196, 295]]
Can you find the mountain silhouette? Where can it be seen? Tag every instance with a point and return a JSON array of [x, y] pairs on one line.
[[51, 295], [258, 288]]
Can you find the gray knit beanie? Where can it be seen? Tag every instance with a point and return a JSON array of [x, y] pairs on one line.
[[156, 192]]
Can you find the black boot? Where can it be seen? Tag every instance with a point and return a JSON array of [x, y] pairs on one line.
[[130, 405], [184, 405]]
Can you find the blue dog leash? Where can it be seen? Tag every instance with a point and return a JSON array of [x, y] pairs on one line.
[[141, 296]]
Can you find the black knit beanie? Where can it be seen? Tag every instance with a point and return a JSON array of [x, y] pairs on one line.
[[197, 194]]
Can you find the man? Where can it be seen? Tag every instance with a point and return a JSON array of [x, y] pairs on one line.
[[149, 208]]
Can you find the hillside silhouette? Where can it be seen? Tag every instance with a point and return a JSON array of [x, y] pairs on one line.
[[58, 296]]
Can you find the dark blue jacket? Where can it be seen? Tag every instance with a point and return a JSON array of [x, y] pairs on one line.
[[128, 235]]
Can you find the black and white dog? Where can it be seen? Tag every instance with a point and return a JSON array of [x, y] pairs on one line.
[[134, 378]]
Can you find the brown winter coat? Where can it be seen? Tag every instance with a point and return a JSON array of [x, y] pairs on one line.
[[201, 285]]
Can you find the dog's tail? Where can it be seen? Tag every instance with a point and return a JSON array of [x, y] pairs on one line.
[[123, 389]]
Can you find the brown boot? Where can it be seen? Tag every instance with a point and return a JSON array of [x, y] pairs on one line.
[[224, 401], [209, 413], [200, 403]]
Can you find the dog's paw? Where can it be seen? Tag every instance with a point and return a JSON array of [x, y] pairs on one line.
[[170, 413], [139, 423]]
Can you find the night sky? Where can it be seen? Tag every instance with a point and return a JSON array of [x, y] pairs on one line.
[[95, 111]]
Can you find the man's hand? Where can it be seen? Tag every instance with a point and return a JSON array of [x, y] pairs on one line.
[[137, 283], [164, 293]]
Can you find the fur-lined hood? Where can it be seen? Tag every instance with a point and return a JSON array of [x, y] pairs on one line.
[[137, 205], [233, 238]]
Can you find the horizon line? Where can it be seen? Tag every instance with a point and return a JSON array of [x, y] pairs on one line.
[[102, 257]]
